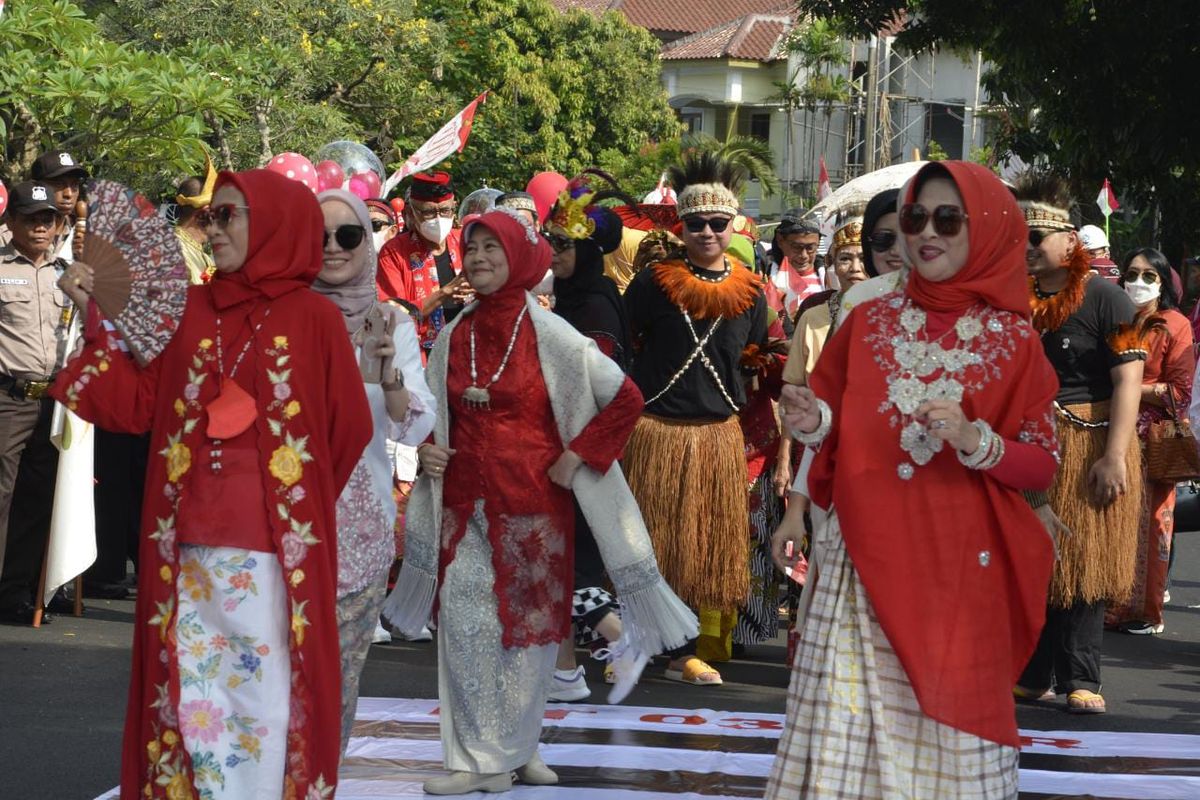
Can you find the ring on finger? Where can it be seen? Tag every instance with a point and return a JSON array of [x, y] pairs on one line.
[[939, 424]]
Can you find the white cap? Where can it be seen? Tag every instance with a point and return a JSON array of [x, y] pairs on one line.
[[1092, 238]]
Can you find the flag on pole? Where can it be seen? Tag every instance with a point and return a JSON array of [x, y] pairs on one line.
[[1107, 200], [451, 138], [823, 187]]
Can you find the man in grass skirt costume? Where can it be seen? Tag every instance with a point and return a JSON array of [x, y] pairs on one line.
[[1089, 337], [693, 315]]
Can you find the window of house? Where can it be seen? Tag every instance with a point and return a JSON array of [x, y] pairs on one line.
[[692, 119], [756, 124]]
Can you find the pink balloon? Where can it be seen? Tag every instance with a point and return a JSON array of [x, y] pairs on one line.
[[3, 198], [296, 167], [545, 187], [360, 187], [373, 183], [330, 175]]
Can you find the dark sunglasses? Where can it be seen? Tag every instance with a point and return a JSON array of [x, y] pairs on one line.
[[44, 218], [379, 224], [697, 224], [882, 241], [1038, 235], [219, 215], [348, 236], [1149, 276], [947, 220], [559, 244]]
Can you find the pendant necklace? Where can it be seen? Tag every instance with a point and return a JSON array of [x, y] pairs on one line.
[[475, 397], [233, 410], [708, 276]]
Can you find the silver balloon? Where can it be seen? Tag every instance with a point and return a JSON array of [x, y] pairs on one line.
[[352, 157], [479, 201]]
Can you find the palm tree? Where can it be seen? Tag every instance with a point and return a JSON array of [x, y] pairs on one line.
[[752, 154]]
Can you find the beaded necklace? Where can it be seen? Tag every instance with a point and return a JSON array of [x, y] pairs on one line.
[[476, 397], [229, 406]]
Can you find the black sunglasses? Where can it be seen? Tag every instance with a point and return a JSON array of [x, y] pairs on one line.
[[1038, 235], [559, 244], [379, 224], [697, 224], [947, 220], [882, 241], [348, 236], [219, 215], [1150, 276]]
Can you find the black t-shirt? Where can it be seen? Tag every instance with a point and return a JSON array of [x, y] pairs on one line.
[[666, 343], [1079, 350], [445, 273]]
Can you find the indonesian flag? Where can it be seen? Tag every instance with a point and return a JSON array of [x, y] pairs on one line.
[[823, 187], [663, 194], [1107, 199], [450, 139]]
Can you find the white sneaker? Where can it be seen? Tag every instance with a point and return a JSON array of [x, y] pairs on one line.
[[628, 661], [381, 634], [425, 635], [568, 686], [1167, 596]]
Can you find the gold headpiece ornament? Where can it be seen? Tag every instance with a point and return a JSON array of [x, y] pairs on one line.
[[1045, 199], [570, 217], [206, 193]]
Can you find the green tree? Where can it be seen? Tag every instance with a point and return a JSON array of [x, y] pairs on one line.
[[132, 115], [1091, 88]]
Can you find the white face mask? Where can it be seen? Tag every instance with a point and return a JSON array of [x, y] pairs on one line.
[[437, 229], [380, 239], [1142, 293]]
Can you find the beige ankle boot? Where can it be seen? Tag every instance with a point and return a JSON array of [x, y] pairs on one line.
[[536, 773], [467, 782]]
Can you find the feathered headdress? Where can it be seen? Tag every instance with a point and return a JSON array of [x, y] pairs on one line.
[[577, 214], [1045, 200], [707, 183]]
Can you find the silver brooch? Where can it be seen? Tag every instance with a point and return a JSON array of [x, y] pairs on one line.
[[995, 325], [916, 440], [905, 471]]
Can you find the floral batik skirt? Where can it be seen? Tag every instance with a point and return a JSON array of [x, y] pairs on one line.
[[234, 670], [854, 728]]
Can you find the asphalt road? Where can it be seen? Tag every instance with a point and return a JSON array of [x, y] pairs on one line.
[[62, 688]]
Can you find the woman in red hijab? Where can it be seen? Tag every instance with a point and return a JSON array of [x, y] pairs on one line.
[[257, 416], [931, 407], [529, 411]]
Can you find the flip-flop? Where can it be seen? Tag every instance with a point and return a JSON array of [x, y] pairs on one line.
[[692, 672], [1077, 702], [1033, 695]]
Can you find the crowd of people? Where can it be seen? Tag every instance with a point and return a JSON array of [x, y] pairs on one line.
[[524, 424]]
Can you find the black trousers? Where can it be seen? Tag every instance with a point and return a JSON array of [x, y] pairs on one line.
[[28, 473], [1068, 653], [120, 481]]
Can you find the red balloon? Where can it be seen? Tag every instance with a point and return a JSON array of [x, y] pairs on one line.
[[330, 175], [373, 183], [3, 198], [296, 167], [545, 187], [398, 204], [360, 187]]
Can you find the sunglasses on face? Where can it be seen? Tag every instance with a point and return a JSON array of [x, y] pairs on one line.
[[947, 220], [219, 215], [806, 247], [1145, 276], [882, 241], [41, 219], [379, 224], [348, 237], [715, 224], [559, 244], [1039, 235]]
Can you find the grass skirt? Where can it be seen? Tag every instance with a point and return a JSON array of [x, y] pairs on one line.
[[1096, 561], [689, 479]]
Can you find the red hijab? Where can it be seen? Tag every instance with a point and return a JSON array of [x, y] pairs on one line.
[[995, 269], [527, 252], [284, 252]]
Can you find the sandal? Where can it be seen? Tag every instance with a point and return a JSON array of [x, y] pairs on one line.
[[1033, 695], [1085, 701], [695, 672]]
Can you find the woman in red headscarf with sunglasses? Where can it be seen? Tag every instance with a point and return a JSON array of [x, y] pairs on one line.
[[529, 411], [931, 409], [257, 416]]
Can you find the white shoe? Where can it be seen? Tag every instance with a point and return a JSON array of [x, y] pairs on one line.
[[1167, 596], [381, 634], [628, 661], [536, 773], [467, 782], [568, 686], [424, 635]]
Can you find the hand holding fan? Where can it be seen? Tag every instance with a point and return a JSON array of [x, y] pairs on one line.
[[141, 279]]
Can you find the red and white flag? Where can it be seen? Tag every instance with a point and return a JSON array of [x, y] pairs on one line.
[[823, 187], [450, 139], [1107, 200]]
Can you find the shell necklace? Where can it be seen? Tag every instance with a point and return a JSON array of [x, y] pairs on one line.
[[476, 397]]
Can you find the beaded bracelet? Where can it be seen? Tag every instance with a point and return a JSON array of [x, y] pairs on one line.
[[817, 436], [988, 453]]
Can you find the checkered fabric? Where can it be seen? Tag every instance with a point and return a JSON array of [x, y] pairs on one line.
[[854, 728], [584, 605]]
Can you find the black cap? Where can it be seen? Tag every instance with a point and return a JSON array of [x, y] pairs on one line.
[[30, 197], [55, 164], [797, 220]]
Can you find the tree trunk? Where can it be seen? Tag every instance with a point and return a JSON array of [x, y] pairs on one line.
[[263, 124], [218, 129]]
